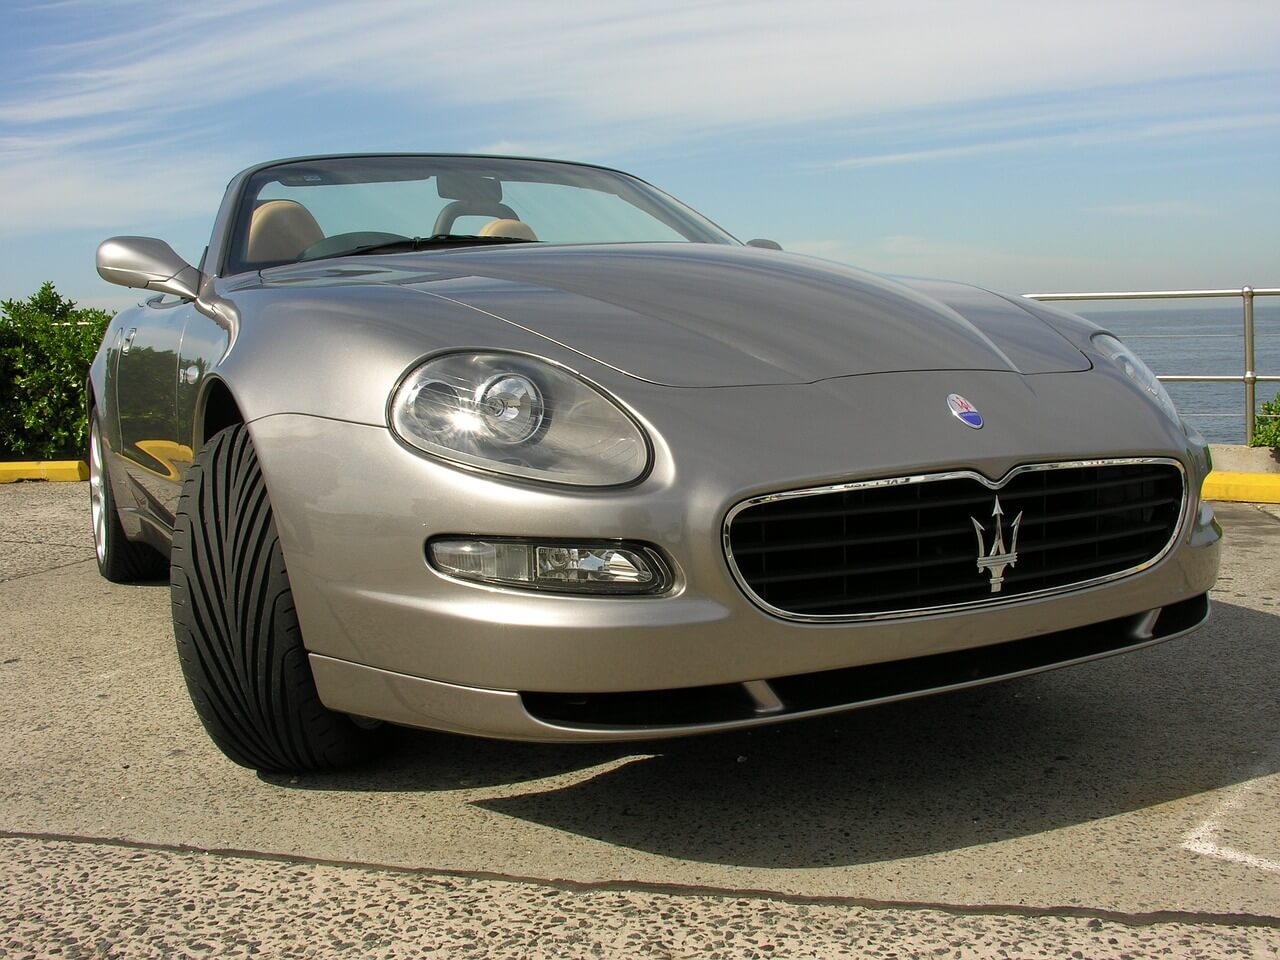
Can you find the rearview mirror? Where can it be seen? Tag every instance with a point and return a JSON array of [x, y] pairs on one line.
[[147, 264], [459, 185], [765, 244]]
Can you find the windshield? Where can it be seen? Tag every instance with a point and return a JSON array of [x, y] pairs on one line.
[[340, 206]]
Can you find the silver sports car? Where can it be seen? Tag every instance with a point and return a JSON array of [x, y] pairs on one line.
[[530, 450]]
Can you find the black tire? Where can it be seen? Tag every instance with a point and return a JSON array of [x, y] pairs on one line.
[[239, 643], [120, 559]]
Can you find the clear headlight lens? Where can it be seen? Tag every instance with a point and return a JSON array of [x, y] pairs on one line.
[[513, 407], [519, 416], [606, 567], [1135, 370]]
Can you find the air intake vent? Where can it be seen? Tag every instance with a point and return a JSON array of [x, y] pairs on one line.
[[920, 543]]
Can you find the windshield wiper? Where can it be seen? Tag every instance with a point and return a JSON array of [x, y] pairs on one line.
[[426, 243]]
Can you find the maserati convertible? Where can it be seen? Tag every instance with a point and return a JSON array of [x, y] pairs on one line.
[[530, 450]]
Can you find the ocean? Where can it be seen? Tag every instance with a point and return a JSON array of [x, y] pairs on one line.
[[1200, 339]]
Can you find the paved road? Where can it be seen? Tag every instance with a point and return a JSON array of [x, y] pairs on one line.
[[1122, 808]]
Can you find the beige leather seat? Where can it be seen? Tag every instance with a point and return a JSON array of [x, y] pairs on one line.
[[280, 230], [515, 229]]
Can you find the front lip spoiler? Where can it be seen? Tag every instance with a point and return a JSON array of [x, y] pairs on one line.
[[664, 713]]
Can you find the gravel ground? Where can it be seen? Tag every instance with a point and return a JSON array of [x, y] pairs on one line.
[[1120, 809], [80, 899]]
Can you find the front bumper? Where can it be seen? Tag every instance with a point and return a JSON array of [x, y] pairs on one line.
[[638, 715], [392, 639]]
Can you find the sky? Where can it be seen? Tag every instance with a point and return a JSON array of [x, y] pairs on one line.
[[1021, 145]]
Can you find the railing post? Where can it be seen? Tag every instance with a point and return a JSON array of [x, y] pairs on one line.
[[1250, 374]]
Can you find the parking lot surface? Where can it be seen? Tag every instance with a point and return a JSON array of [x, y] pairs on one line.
[[1117, 809]]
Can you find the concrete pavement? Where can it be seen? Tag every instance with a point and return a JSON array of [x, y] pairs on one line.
[[1116, 808]]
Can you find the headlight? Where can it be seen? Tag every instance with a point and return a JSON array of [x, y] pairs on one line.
[[519, 416], [1136, 370]]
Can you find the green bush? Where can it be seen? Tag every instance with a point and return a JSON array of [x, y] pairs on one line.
[[1266, 427], [46, 347]]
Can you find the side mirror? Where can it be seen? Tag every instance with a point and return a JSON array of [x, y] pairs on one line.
[[147, 264], [765, 244]]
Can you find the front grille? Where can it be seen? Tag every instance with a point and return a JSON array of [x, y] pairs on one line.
[[910, 544]]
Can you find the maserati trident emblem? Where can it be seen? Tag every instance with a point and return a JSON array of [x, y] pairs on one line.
[[997, 558], [964, 411]]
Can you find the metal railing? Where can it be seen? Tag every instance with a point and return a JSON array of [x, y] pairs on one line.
[[1250, 378]]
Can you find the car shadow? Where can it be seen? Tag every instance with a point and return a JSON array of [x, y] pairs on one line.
[[402, 760], [903, 780]]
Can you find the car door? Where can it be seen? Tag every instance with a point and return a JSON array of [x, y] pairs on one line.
[[147, 380]]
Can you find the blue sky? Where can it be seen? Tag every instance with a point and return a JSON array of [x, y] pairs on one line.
[[1020, 145]]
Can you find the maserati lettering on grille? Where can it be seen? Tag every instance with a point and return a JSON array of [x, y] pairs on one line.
[[998, 558]]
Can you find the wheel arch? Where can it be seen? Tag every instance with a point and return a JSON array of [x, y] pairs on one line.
[[217, 410]]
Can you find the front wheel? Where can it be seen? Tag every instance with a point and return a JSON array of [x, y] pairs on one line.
[[238, 637], [120, 559]]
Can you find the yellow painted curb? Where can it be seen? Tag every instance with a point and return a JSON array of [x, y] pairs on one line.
[[1242, 487], [44, 470]]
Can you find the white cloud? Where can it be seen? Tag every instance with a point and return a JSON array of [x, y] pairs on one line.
[[120, 186], [677, 64], [1154, 208], [121, 119], [999, 268], [1198, 126], [535, 148]]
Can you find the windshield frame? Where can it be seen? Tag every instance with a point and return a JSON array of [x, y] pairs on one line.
[[231, 230]]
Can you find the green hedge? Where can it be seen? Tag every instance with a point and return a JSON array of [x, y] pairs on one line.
[[46, 347], [1266, 427]]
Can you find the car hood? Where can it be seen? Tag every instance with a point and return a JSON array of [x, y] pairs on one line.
[[710, 315]]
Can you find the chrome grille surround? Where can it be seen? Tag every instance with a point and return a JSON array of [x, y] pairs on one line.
[[995, 599]]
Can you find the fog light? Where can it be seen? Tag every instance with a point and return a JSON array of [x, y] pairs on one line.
[[607, 567], [599, 565], [481, 559]]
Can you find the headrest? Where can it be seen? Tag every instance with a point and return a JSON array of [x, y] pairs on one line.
[[515, 229], [280, 230]]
